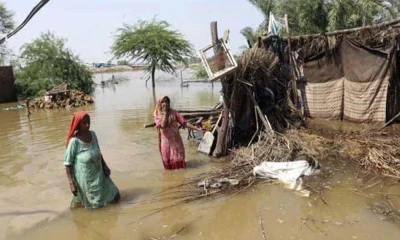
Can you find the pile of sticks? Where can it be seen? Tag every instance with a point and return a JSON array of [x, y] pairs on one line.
[[272, 146], [196, 117]]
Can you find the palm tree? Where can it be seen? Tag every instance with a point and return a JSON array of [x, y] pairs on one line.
[[339, 14], [250, 34], [393, 8], [265, 7], [319, 16], [154, 44], [356, 13]]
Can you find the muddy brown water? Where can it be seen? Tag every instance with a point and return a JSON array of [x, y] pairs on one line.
[[34, 199]]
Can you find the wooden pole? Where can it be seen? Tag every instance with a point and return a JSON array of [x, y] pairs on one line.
[[214, 36], [389, 122], [294, 84], [264, 119], [28, 112], [214, 40], [219, 59]]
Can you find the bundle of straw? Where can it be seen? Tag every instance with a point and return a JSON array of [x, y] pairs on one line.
[[272, 146]]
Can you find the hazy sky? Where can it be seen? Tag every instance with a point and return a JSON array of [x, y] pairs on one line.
[[89, 25]]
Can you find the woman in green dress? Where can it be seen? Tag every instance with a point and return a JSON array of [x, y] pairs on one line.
[[87, 172]]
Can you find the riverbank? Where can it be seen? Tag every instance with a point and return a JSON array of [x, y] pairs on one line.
[[116, 69], [126, 68]]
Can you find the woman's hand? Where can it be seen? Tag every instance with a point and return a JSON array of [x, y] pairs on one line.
[[200, 129], [106, 171], [73, 188], [196, 128]]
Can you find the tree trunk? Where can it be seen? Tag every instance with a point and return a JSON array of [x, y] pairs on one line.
[[153, 72]]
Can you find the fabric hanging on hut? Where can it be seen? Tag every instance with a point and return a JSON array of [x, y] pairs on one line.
[[350, 82], [274, 26], [367, 73], [325, 86]]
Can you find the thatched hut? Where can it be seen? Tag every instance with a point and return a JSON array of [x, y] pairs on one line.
[[348, 75]]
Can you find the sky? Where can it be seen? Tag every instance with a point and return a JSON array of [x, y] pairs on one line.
[[90, 25]]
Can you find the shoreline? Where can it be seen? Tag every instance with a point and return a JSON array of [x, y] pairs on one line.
[[117, 69], [126, 68]]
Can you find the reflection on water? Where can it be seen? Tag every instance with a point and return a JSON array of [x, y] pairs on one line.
[[93, 224], [35, 195]]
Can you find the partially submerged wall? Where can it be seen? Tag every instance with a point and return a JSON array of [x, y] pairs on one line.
[[7, 87]]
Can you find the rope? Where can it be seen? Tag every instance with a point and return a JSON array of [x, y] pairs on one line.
[[27, 19]]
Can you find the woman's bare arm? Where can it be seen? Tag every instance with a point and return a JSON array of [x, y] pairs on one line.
[[72, 185]]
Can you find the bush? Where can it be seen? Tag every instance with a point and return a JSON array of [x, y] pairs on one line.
[[48, 64]]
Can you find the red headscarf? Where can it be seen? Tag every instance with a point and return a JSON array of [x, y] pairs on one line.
[[76, 120]]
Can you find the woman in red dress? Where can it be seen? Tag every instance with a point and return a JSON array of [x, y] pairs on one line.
[[170, 141]]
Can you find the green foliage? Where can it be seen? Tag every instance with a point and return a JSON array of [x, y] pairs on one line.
[[123, 62], [6, 19], [200, 72], [345, 14], [251, 34], [6, 25], [320, 16], [153, 43], [48, 64], [393, 8], [304, 16], [194, 59], [265, 6]]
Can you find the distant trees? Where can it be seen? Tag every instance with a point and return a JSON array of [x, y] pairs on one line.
[[123, 62], [50, 63], [6, 25], [154, 44]]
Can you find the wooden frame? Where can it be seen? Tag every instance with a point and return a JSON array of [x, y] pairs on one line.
[[215, 76]]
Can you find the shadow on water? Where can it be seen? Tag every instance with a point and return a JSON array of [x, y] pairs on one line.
[[93, 224], [129, 195], [195, 163]]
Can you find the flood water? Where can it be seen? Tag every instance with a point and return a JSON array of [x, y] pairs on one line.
[[35, 196]]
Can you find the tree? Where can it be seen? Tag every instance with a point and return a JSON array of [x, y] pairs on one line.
[[345, 14], [393, 8], [250, 34], [319, 16], [265, 7], [48, 64], [304, 16], [6, 25], [154, 44], [123, 62]]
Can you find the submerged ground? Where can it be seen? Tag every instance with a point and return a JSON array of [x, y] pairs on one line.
[[35, 197]]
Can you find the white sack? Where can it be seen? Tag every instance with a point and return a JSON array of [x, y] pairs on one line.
[[287, 172]]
